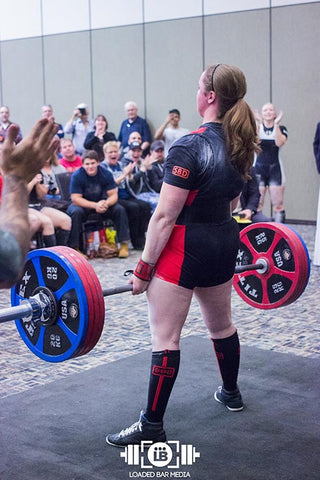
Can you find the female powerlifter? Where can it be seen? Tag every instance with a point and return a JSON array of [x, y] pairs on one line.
[[192, 243], [268, 164]]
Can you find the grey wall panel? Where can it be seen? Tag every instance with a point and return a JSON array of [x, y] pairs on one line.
[[242, 39], [173, 68], [118, 72], [22, 80], [296, 80], [158, 65], [67, 73]]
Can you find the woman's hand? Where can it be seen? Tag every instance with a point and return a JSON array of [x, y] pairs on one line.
[[139, 286]]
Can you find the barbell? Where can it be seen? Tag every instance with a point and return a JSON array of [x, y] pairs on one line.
[[58, 303]]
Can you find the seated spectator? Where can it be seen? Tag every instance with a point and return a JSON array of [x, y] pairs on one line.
[[138, 183], [99, 136], [79, 125], [249, 201], [93, 190], [56, 225], [5, 123], [138, 211], [49, 171], [133, 137], [47, 112], [134, 123], [70, 161], [170, 130], [155, 175]]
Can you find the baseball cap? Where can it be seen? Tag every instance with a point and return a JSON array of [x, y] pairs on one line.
[[157, 145], [135, 145], [81, 105]]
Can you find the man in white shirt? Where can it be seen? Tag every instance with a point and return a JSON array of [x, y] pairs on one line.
[[170, 131]]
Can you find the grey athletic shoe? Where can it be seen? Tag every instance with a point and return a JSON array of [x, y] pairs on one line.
[[139, 431], [231, 400]]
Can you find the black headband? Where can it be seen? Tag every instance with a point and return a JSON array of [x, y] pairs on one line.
[[215, 68]]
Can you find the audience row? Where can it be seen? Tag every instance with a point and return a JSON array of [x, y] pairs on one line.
[[112, 179]]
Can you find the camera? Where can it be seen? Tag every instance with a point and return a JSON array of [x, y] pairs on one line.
[[82, 111]]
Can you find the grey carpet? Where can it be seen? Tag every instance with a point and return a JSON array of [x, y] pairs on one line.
[[57, 432]]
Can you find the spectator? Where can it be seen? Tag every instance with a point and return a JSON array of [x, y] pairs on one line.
[[79, 125], [138, 211], [53, 221], [316, 147], [47, 112], [268, 163], [170, 130], [134, 123], [49, 170], [5, 123], [93, 190], [138, 183], [70, 161], [99, 136], [249, 201], [133, 137], [155, 175]]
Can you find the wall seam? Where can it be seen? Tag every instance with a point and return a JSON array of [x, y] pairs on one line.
[[270, 50], [144, 60], [203, 37], [91, 60], [44, 94]]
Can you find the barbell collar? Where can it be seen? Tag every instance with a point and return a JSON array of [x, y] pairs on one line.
[[260, 265]]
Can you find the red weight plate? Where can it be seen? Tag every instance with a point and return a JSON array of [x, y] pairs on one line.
[[98, 301], [73, 258], [92, 284], [277, 288], [287, 269], [304, 261], [96, 308]]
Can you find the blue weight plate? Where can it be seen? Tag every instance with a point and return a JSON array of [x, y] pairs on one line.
[[60, 341]]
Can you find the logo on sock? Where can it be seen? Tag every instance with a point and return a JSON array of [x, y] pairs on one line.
[[163, 371]]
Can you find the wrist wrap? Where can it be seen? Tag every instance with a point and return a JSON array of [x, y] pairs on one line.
[[144, 271]]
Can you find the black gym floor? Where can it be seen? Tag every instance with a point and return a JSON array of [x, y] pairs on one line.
[[54, 417]]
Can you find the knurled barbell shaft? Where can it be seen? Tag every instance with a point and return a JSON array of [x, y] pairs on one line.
[[115, 290], [30, 307], [12, 313]]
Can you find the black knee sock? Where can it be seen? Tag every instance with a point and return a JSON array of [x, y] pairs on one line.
[[49, 240], [164, 370], [62, 237], [228, 356]]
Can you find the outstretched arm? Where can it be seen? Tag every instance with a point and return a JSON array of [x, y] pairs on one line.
[[19, 164]]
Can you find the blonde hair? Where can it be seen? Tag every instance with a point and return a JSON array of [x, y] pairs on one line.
[[111, 143], [238, 121]]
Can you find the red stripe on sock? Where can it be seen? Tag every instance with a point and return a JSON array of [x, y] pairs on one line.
[[160, 382]]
